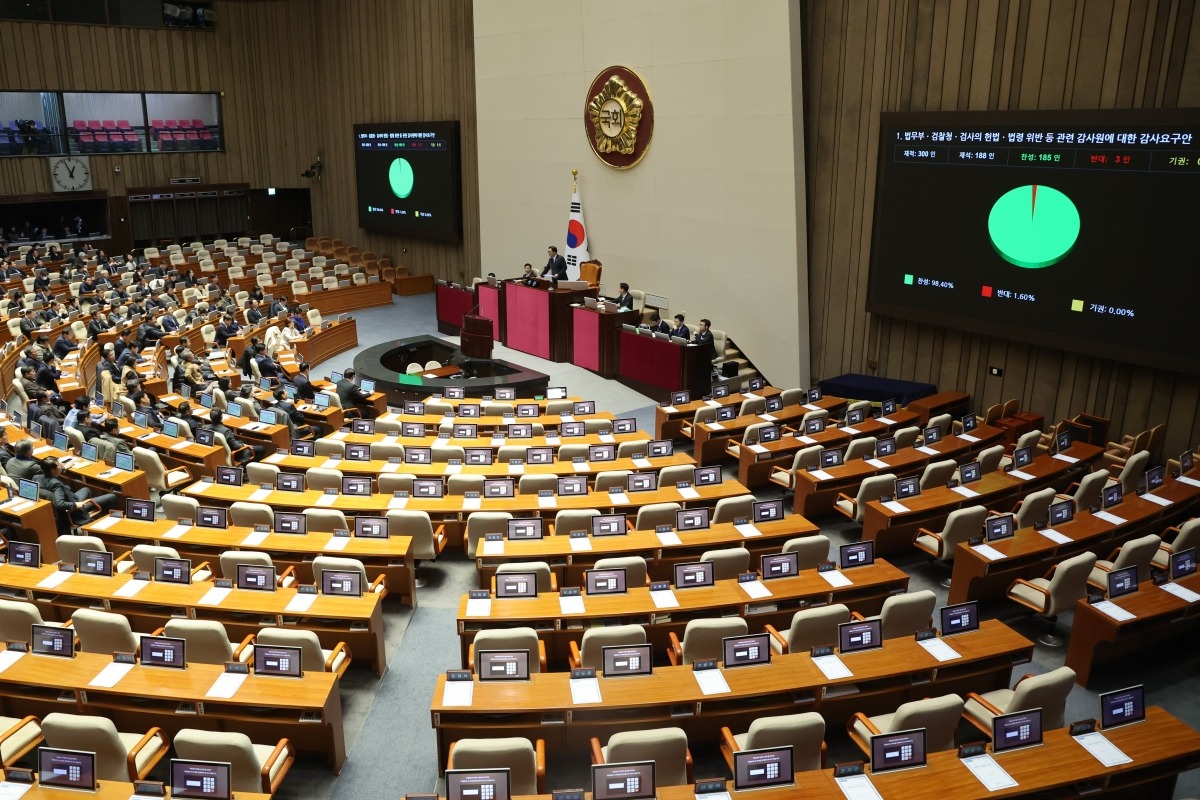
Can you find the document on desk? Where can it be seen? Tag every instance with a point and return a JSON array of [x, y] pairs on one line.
[[498, 441], [516, 469], [767, 417], [1113, 610], [255, 538], [966, 437], [105, 523], [878, 463], [11, 791], [747, 530], [326, 500], [472, 503], [1188, 481], [806, 439], [1153, 498], [715, 426], [452, 469], [832, 667], [1104, 751], [493, 548], [929, 451], [670, 409], [939, 649], [896, 507], [335, 543], [1054, 536], [664, 598], [964, 491], [258, 495], [1111, 519], [820, 474], [850, 430], [547, 502], [214, 596], [755, 589], [130, 588], [397, 502], [274, 458], [479, 607], [581, 466], [458, 693], [53, 579], [836, 578], [8, 658], [226, 685], [585, 691], [176, 531], [581, 544], [669, 537], [989, 773], [301, 603], [858, 787], [607, 438], [757, 448], [571, 605], [111, 675], [1025, 476], [687, 492], [811, 407], [200, 487], [1066, 458], [339, 436], [988, 552], [1182, 592], [642, 463], [180, 445], [711, 681]]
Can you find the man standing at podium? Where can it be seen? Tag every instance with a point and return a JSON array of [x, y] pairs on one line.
[[556, 266]]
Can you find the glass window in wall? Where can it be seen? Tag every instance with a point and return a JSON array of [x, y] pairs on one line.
[[184, 122], [105, 122], [30, 124]]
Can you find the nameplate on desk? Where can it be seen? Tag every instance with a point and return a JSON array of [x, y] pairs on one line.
[[848, 769], [237, 668], [458, 674], [709, 786], [707, 663]]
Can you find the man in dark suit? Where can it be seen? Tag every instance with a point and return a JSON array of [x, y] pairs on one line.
[[348, 393], [65, 343], [680, 329], [98, 324], [227, 328], [704, 338], [254, 313], [556, 266], [624, 300], [657, 324], [169, 323], [304, 388]]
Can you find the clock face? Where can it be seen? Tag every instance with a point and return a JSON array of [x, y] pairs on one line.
[[70, 173]]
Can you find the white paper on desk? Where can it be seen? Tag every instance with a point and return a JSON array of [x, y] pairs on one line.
[[398, 502], [452, 469], [259, 495], [806, 439], [664, 598], [713, 403], [200, 487], [1064, 457], [274, 458], [618, 498], [176, 531], [1153, 498], [585, 691], [339, 436], [226, 685], [493, 548], [567, 418], [670, 409], [125, 429], [747, 530], [180, 445], [472, 503], [214, 596], [547, 502], [878, 463], [988, 772], [1104, 751], [929, 451], [811, 407], [836, 578], [886, 420], [37, 451], [580, 544], [966, 437], [607, 438], [53, 579], [642, 463], [1182, 592], [581, 466], [105, 523], [301, 602], [767, 417], [8, 658], [757, 448], [130, 588], [13, 507], [391, 438], [1113, 610], [1112, 519], [688, 493], [336, 543], [820, 474], [939, 649], [516, 469], [858, 787], [1054, 536], [965, 492], [256, 537], [498, 441], [896, 507], [756, 589], [715, 426], [669, 537], [326, 500], [458, 693], [571, 605], [111, 675], [711, 681], [12, 791], [833, 667], [988, 552], [1025, 476], [332, 463], [1188, 481], [477, 607]]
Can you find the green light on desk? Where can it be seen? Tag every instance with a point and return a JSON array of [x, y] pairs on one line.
[[1033, 226]]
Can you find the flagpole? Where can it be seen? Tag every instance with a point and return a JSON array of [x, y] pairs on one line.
[[574, 182]]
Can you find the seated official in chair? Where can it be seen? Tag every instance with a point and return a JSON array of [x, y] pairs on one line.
[[657, 324], [681, 330], [624, 300], [72, 507], [704, 338]]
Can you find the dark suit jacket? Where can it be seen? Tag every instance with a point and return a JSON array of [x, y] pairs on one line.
[[660, 327], [556, 268], [304, 388], [624, 301], [705, 338], [682, 331]]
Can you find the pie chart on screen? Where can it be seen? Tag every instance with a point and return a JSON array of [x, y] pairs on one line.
[[400, 178], [1033, 226]]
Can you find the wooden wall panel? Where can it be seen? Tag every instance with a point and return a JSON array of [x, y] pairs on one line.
[[865, 58]]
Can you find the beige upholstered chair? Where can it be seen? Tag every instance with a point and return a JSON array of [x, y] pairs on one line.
[[937, 473], [1047, 691], [652, 515], [313, 657], [16, 619], [119, 756], [18, 737], [320, 478], [481, 523], [208, 642], [256, 768], [730, 508], [545, 578], [904, 614], [510, 639], [159, 477], [1175, 540], [804, 732], [103, 632], [806, 457], [590, 652], [1064, 585], [636, 573], [870, 489], [1133, 553], [811, 551], [325, 520], [810, 627], [937, 715], [144, 554], [1034, 508], [231, 558], [728, 562], [961, 525], [248, 514], [69, 547], [1087, 492], [343, 564], [525, 762], [702, 639], [666, 747], [177, 506]]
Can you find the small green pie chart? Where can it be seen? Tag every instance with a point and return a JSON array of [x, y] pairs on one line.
[[400, 178], [1033, 226]]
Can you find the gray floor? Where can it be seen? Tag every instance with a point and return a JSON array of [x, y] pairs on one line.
[[388, 728]]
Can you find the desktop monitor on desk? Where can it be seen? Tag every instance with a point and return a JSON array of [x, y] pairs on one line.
[[1111, 496], [25, 554], [609, 525], [745, 651], [341, 583], [556, 393], [907, 487], [660, 448], [50, 640], [370, 527], [694, 574], [763, 768], [255, 578], [139, 509], [288, 522], [960, 618], [856, 554], [1062, 512], [627, 659], [163, 651], [899, 750], [1002, 527], [767, 510], [277, 660], [1182, 563], [212, 517], [516, 584], [66, 769], [525, 528], [860, 635], [779, 565], [478, 456], [691, 519], [605, 581], [95, 562], [502, 665], [1017, 730], [1122, 707], [172, 570], [477, 784], [630, 780], [206, 437], [1122, 582]]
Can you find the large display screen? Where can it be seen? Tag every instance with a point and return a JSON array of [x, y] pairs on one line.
[[409, 179], [1072, 230]]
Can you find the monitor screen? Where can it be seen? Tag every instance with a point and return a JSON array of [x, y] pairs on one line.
[[142, 421], [899, 750], [358, 452], [335, 376], [539, 455], [229, 476], [641, 482], [772, 433], [1122, 582], [516, 584], [1062, 442], [28, 490], [609, 525], [680, 398], [520, 430], [1112, 496], [525, 528], [856, 554], [1185, 462], [455, 393], [969, 423], [205, 437], [503, 393], [341, 583], [139, 509], [814, 425], [499, 487], [66, 769], [212, 517], [477, 784], [605, 581], [602, 452], [763, 768], [774, 403], [172, 570], [367, 385], [371, 528], [88, 452], [279, 660], [767, 510], [572, 485], [832, 457], [707, 476], [907, 487], [234, 410], [572, 429], [1062, 511], [362, 426], [779, 565], [1122, 707], [624, 425], [412, 429], [864, 635], [960, 618], [691, 519], [418, 455], [556, 393], [1183, 563], [255, 577], [1155, 476], [528, 410], [744, 651], [201, 780], [357, 486], [584, 407], [96, 562], [49, 640], [630, 780], [162, 651], [503, 665], [1002, 527], [969, 472], [61, 442], [207, 400], [756, 384], [478, 455], [931, 435], [1022, 457], [303, 447], [24, 554], [289, 482], [1017, 730], [693, 574], [428, 487], [660, 448], [321, 400], [268, 417], [627, 659], [885, 447], [855, 415], [464, 430], [287, 522]]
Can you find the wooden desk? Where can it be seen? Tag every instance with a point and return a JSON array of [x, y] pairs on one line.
[[892, 530], [953, 403], [487, 440], [492, 423], [263, 708], [200, 459], [537, 320], [871, 586], [900, 671], [357, 621], [35, 521], [94, 474], [391, 557], [711, 438], [333, 338], [657, 367], [815, 495], [597, 337], [668, 419], [112, 790]]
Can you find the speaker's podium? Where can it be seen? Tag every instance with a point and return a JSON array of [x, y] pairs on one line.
[[538, 318], [476, 336]]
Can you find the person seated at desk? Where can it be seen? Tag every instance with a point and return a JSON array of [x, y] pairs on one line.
[[49, 373], [267, 366], [704, 338], [145, 405], [46, 411], [110, 432], [656, 324], [279, 306], [529, 277], [243, 361], [254, 312], [87, 287], [624, 300], [13, 271], [70, 504], [190, 374], [226, 329], [98, 324], [304, 388], [348, 393], [238, 449], [23, 464], [297, 425], [28, 323], [556, 265], [44, 297], [41, 283], [680, 330], [168, 323], [290, 334], [65, 343], [148, 333], [298, 318]]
